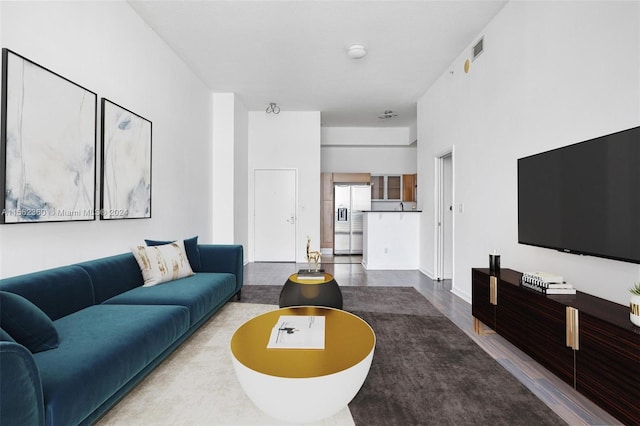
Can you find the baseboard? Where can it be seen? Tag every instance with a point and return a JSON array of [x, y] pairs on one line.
[[427, 272], [388, 267], [462, 295]]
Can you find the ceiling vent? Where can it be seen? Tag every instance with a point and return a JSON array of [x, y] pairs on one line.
[[478, 48]]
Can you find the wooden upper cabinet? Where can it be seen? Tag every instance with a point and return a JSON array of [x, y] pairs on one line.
[[386, 187], [394, 187], [377, 187], [326, 210], [327, 186], [409, 187], [351, 177]]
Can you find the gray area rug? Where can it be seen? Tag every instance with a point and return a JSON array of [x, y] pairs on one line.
[[425, 370]]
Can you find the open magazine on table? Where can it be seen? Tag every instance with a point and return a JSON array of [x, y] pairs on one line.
[[298, 332]]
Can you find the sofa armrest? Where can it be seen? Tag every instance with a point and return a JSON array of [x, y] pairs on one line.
[[223, 258], [21, 400]]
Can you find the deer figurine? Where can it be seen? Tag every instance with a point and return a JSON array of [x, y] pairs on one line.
[[312, 255]]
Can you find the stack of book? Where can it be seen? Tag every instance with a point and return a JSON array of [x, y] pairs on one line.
[[305, 274], [546, 283]]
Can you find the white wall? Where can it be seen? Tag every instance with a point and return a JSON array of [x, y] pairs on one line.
[[107, 48], [376, 150], [369, 159], [400, 136], [241, 175], [552, 74], [289, 140], [230, 171], [223, 168]]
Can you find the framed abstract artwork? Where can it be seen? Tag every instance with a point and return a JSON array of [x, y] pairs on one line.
[[126, 164], [47, 146]]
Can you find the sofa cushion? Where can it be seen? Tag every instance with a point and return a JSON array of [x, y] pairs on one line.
[[113, 275], [190, 246], [201, 293], [44, 288], [164, 263], [101, 349], [5, 337], [26, 323]]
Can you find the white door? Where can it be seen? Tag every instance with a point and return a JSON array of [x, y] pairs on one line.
[[447, 228], [275, 215], [444, 212]]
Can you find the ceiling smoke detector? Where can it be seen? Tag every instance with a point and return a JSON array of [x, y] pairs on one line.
[[357, 51], [387, 114]]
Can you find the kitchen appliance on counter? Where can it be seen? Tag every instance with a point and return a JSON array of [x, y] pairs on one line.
[[349, 202]]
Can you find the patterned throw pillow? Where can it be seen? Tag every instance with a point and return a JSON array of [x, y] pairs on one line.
[[190, 247], [163, 263]]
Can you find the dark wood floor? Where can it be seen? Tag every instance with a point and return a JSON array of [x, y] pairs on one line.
[[564, 400]]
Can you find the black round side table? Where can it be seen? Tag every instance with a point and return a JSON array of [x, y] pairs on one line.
[[311, 292]]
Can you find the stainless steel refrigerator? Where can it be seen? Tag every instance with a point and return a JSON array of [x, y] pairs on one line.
[[349, 202]]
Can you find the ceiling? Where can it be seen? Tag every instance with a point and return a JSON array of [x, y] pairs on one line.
[[294, 53]]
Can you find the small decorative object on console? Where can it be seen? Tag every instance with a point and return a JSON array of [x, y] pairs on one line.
[[494, 263], [634, 304]]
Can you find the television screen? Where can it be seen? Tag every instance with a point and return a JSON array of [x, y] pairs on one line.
[[583, 198]]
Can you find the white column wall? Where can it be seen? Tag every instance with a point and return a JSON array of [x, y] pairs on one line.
[[222, 167], [241, 175]]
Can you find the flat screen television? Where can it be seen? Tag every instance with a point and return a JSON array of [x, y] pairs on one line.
[[583, 198]]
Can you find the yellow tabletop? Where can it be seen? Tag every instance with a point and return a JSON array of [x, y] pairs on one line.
[[327, 278], [348, 340]]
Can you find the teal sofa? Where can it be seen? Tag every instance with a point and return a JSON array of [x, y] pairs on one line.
[[92, 331]]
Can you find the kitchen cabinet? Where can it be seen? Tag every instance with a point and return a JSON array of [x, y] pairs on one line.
[[326, 213], [377, 187], [409, 187], [386, 187], [351, 177], [394, 184]]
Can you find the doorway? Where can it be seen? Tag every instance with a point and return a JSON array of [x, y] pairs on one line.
[[444, 215], [275, 218]]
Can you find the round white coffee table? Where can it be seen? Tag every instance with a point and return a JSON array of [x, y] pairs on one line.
[[303, 385]]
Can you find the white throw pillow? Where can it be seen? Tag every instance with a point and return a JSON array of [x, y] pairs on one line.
[[163, 263]]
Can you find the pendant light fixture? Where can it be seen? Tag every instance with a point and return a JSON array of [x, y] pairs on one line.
[[273, 108]]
